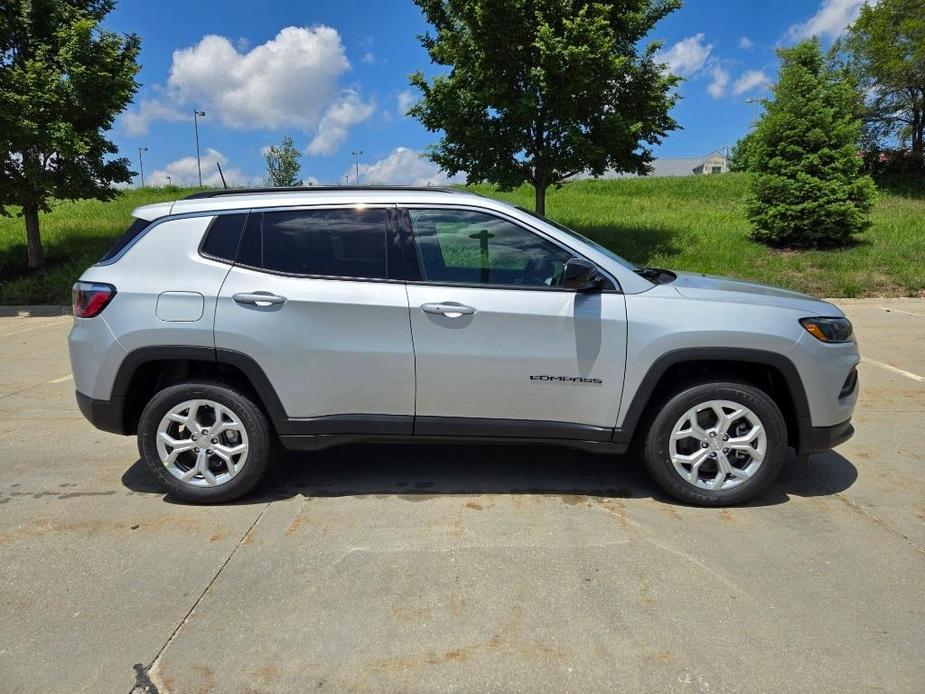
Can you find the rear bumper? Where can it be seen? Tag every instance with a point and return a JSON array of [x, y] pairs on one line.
[[105, 415], [818, 439]]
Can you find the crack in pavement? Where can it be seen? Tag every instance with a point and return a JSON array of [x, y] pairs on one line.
[[143, 682], [863, 511]]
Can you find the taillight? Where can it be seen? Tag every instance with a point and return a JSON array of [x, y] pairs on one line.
[[90, 298]]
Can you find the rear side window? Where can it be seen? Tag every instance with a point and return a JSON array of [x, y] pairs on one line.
[[129, 235], [328, 243], [222, 237]]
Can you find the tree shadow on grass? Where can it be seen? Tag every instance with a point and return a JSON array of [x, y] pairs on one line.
[[904, 186], [637, 243], [61, 252]]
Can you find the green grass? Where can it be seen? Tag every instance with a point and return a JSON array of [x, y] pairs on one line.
[[697, 224], [75, 235], [691, 223]]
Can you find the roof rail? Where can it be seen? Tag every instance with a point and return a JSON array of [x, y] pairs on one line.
[[303, 189]]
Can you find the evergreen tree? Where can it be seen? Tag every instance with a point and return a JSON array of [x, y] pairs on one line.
[[807, 190]]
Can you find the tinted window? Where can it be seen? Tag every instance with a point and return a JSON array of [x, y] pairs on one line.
[[223, 236], [129, 235], [333, 243], [478, 248]]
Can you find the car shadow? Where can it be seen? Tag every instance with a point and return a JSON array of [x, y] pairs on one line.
[[421, 471]]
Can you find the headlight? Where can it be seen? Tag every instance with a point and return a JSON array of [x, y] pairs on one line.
[[828, 329]]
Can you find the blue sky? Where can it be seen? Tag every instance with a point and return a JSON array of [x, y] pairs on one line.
[[334, 77]]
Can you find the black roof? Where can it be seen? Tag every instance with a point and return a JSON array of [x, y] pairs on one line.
[[300, 189]]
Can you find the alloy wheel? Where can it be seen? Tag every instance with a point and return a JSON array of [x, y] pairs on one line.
[[202, 443], [717, 445]]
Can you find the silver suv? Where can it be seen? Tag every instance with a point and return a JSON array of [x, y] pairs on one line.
[[228, 321]]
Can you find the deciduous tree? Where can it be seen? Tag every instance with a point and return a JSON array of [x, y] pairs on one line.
[[885, 48], [541, 90], [63, 79], [283, 164]]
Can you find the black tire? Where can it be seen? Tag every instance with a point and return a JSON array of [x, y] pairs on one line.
[[656, 447], [256, 425]]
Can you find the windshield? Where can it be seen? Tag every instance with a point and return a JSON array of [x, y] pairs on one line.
[[594, 244]]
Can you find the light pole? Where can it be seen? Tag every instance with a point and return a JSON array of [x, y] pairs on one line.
[[754, 100], [141, 164], [197, 114], [169, 181], [356, 159]]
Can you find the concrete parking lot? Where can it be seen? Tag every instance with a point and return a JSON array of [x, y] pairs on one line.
[[460, 568]]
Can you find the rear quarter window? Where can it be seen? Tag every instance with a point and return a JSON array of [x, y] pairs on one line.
[[223, 235], [129, 235]]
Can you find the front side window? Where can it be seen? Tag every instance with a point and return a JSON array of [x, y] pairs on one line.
[[329, 243], [468, 247]]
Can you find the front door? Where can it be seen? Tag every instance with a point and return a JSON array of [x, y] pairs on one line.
[[317, 300], [501, 349]]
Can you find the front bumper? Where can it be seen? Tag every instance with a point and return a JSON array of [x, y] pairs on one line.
[[818, 439], [105, 415]]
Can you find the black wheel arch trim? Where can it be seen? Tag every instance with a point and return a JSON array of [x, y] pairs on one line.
[[742, 355], [251, 370], [360, 424]]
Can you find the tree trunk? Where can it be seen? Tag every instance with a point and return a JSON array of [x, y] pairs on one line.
[[918, 134], [539, 205], [30, 212]]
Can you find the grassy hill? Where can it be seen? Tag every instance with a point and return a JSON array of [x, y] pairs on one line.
[[694, 223]]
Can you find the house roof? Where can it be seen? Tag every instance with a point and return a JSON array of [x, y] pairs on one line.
[[670, 166]]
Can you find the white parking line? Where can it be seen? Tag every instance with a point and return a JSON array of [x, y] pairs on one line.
[[888, 367], [62, 379], [32, 328]]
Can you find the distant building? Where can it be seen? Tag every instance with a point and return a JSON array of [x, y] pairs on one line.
[[712, 163]]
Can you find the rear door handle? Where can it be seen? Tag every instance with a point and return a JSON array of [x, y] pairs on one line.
[[259, 298], [449, 309]]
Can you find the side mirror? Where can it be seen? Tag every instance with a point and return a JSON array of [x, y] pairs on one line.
[[582, 276]]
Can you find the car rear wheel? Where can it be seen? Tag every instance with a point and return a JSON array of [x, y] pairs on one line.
[[205, 442], [716, 444]]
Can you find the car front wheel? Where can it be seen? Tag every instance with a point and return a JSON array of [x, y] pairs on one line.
[[716, 444], [205, 442]]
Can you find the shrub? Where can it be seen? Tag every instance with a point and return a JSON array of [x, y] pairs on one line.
[[808, 190]]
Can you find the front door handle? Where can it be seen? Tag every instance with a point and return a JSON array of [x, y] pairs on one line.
[[259, 298], [449, 309]]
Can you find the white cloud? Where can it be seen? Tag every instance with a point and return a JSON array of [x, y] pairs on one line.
[[368, 58], [183, 172], [749, 80], [830, 20], [687, 56], [287, 81], [745, 43], [719, 78], [404, 166], [348, 110], [406, 99], [291, 81], [137, 121]]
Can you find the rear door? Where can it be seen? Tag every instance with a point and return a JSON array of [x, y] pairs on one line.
[[316, 298], [501, 349]]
